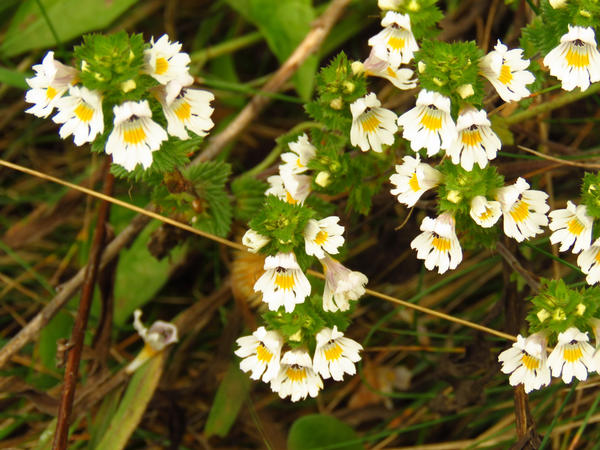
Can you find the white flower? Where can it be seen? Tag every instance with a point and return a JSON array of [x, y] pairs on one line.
[[156, 338], [402, 78], [165, 62], [298, 186], [296, 376], [260, 353], [81, 114], [589, 262], [572, 356], [190, 108], [396, 42], [524, 210], [52, 79], [429, 124], [335, 354], [371, 124], [571, 225], [341, 285], [322, 236], [505, 69], [485, 212], [527, 361], [476, 142], [135, 135], [412, 179], [302, 151], [576, 60], [438, 244], [283, 283], [254, 241]]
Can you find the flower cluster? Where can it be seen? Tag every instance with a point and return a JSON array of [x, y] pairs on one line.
[[127, 76], [296, 374]]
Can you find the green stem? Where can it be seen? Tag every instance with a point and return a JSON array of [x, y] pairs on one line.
[[201, 56], [561, 100], [274, 154], [557, 415]]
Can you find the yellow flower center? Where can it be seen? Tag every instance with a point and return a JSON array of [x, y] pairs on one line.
[[471, 138], [575, 226], [396, 43], [431, 122], [391, 72], [262, 354], [370, 123], [572, 354], [486, 214], [413, 183], [183, 111], [288, 198], [506, 75], [321, 237], [577, 59], [520, 211], [134, 135], [298, 163], [441, 244], [51, 93], [162, 65], [285, 281], [530, 362], [333, 352], [84, 112], [296, 374]]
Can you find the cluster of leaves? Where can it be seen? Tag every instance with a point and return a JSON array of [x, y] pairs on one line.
[[590, 194], [544, 32], [558, 307], [424, 17], [451, 69]]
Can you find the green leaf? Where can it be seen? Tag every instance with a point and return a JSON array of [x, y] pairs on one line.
[[284, 25], [131, 409], [316, 431], [232, 392], [70, 18], [103, 417], [140, 276], [12, 78], [249, 197]]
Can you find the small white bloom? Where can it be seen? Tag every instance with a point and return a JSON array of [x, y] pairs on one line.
[[254, 241], [260, 354], [412, 179], [283, 283], [389, 4], [524, 210], [571, 226], [402, 78], [322, 236], [572, 356], [438, 244], [505, 69], [485, 212], [189, 108], [81, 114], [296, 161], [296, 377], [429, 124], [335, 354], [298, 186], [396, 42], [156, 338], [372, 125], [52, 79], [135, 135], [589, 262], [576, 60], [341, 285], [165, 62], [527, 361], [476, 142]]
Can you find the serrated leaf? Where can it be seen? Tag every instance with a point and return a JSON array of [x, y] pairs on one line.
[[70, 18], [228, 400], [316, 431], [284, 25], [139, 392], [249, 197]]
